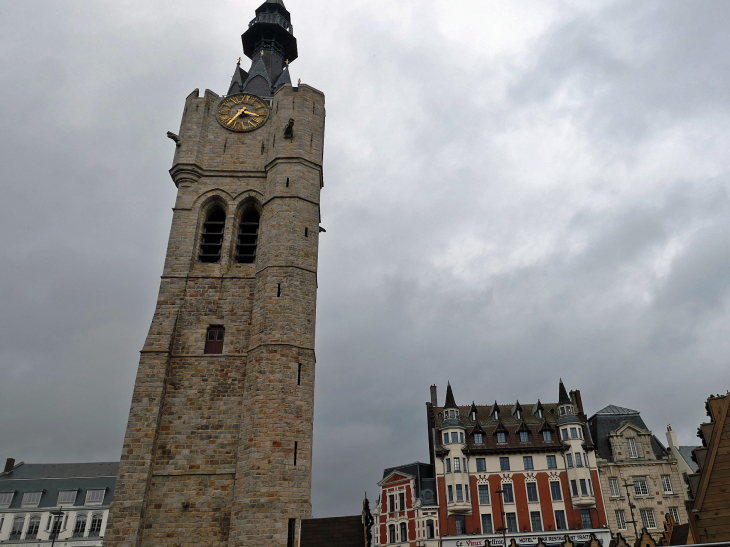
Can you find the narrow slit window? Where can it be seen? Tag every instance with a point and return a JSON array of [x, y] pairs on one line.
[[291, 532], [278, 290], [299, 376], [296, 448], [306, 232], [248, 237], [287, 182], [214, 340], [212, 237]]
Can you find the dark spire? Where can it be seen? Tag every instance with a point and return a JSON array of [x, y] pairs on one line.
[[450, 402], [494, 411], [270, 44], [517, 410], [563, 399]]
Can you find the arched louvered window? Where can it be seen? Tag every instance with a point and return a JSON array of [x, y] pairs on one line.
[[248, 237], [212, 240]]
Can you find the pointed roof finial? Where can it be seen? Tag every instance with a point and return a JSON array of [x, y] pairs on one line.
[[563, 394], [450, 402], [239, 61]]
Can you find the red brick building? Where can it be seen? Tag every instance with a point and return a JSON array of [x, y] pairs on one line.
[[527, 472]]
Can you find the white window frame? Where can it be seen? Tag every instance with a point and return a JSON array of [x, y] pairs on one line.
[[524, 437], [89, 497], [578, 459], [537, 492], [620, 519], [614, 487], [6, 496], [527, 460], [69, 500], [483, 489], [483, 465], [501, 437], [547, 436], [641, 488], [459, 493], [667, 484], [31, 499], [631, 448], [647, 518], [457, 465], [560, 490], [478, 438], [675, 513]]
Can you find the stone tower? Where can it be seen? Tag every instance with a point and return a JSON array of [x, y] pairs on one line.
[[218, 448]]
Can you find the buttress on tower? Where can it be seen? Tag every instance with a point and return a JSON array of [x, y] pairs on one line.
[[218, 447]]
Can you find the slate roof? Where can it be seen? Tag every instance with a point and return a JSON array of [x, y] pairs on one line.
[[686, 453], [54, 478], [611, 418]]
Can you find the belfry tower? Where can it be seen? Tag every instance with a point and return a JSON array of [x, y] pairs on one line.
[[218, 448]]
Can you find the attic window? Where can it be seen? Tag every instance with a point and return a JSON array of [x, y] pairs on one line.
[[67, 497], [501, 437], [95, 497], [478, 438], [31, 499], [6, 498]]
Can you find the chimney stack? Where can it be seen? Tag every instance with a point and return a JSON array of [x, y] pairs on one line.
[[434, 395], [9, 464]]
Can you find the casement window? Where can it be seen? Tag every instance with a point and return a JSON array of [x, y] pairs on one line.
[[524, 437], [248, 236], [214, 340], [631, 447], [573, 433], [80, 525], [667, 484], [583, 487], [454, 437], [527, 462], [56, 528], [391, 533], [614, 487], [585, 518], [531, 492], [560, 523], [403, 532], [17, 530], [478, 438], [481, 464], [95, 528], [448, 465], [6, 498], [430, 532], [574, 487], [483, 494], [34, 524], [674, 511], [211, 240], [402, 501], [31, 499], [391, 503], [620, 519], [446, 438], [511, 523], [501, 437], [67, 497], [451, 492], [508, 494], [569, 459], [547, 436], [647, 517], [535, 521], [565, 433], [460, 525], [459, 492], [578, 459], [552, 462], [555, 491], [640, 488], [504, 463], [457, 465], [487, 524], [461, 437]]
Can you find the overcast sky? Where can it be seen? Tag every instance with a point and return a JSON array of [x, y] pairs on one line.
[[514, 192]]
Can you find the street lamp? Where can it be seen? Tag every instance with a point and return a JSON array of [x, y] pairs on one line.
[[57, 514], [631, 508], [504, 524]]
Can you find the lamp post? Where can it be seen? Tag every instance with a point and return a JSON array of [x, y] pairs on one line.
[[631, 508], [57, 514], [504, 524]]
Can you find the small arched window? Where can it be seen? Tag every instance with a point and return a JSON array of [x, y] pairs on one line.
[[248, 237], [212, 237]]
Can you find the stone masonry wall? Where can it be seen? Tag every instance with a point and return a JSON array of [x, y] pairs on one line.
[[208, 457]]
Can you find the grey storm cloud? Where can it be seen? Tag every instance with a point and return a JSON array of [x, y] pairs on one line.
[[514, 192]]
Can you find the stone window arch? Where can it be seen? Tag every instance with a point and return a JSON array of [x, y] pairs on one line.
[[211, 237], [248, 234]]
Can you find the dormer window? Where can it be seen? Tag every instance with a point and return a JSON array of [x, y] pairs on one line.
[[631, 446], [518, 414], [478, 438], [501, 437]]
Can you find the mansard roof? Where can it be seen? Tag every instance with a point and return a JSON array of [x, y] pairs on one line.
[[425, 479], [610, 419]]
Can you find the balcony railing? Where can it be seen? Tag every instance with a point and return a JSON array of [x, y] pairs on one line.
[[275, 18]]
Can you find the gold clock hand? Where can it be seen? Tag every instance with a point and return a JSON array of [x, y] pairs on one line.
[[236, 116]]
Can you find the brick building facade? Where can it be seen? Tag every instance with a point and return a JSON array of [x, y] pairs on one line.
[[218, 448]]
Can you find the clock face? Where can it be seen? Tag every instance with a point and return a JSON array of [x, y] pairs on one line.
[[242, 112]]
